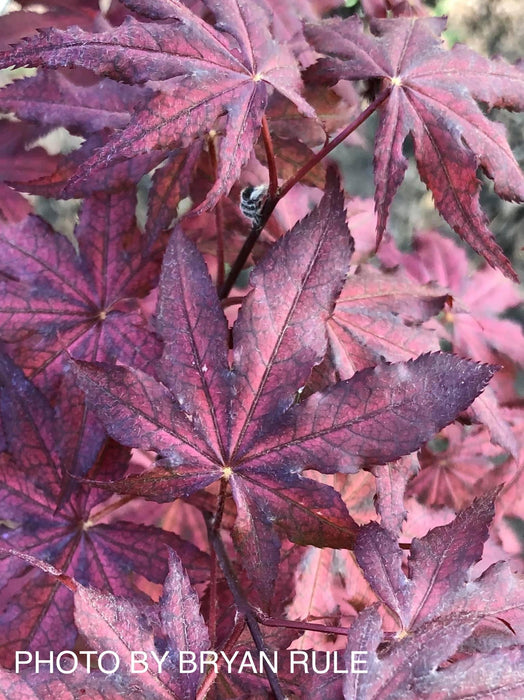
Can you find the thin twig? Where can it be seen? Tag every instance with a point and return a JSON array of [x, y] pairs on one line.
[[231, 301], [270, 155], [242, 605], [304, 626], [346, 131], [219, 215], [272, 201]]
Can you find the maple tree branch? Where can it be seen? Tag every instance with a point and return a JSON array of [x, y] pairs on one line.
[[212, 625], [256, 230], [298, 625], [328, 147], [221, 503], [242, 605], [270, 155], [272, 201]]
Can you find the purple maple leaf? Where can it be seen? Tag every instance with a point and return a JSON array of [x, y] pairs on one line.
[[199, 73], [439, 607], [160, 632], [378, 316], [432, 95], [438, 582], [210, 421], [55, 300], [35, 612]]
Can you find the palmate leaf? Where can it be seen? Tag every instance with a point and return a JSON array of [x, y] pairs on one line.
[[438, 605], [379, 316], [459, 464], [108, 622], [209, 421], [20, 23], [35, 612], [50, 98], [432, 97], [438, 581], [200, 73], [54, 301], [19, 162], [472, 323], [132, 631]]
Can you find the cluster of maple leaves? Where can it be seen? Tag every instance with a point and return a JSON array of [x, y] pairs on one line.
[[304, 458]]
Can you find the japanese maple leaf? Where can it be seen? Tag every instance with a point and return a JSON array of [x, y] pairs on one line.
[[36, 613], [458, 464], [438, 581], [379, 316], [209, 421], [46, 686], [416, 667], [200, 73], [479, 297], [17, 24], [108, 622], [431, 95], [59, 171], [473, 324], [397, 8], [438, 605], [19, 162], [55, 300], [129, 629], [50, 98]]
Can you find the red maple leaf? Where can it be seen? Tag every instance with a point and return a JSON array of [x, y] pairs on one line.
[[379, 316], [199, 73], [131, 631], [430, 93], [54, 300], [17, 24], [209, 421], [36, 612], [456, 465], [472, 324], [438, 607]]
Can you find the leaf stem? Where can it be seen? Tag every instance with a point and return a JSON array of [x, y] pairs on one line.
[[219, 216], [272, 201], [328, 147], [213, 599], [246, 249], [221, 503], [270, 155], [217, 521], [231, 301], [109, 509], [242, 605], [304, 626]]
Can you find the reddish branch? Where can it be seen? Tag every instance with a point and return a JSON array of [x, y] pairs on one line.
[[242, 605], [272, 200]]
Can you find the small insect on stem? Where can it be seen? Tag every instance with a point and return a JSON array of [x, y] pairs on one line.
[[251, 202]]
